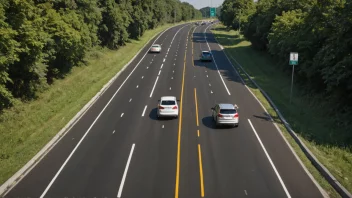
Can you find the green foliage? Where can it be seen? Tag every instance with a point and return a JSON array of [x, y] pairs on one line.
[[42, 40], [321, 32], [234, 13]]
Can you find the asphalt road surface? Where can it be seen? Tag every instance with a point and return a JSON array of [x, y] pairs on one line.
[[120, 149]]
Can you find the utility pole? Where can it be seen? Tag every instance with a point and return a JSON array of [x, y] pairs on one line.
[[239, 23]]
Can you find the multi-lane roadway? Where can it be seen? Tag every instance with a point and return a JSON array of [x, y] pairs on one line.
[[120, 149]]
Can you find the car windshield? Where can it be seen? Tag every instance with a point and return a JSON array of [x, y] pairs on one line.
[[227, 111], [168, 102]]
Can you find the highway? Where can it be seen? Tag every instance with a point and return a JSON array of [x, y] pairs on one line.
[[120, 149]]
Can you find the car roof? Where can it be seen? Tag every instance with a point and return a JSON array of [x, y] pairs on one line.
[[205, 52], [156, 45], [168, 98], [226, 106]]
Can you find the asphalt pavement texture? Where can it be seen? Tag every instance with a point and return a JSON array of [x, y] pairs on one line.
[[120, 149]]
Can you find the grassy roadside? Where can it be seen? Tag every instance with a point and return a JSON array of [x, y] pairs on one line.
[[27, 127], [302, 116]]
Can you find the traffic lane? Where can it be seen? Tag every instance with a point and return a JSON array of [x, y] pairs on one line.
[[42, 173], [189, 175], [133, 111], [228, 170], [156, 140], [298, 183]]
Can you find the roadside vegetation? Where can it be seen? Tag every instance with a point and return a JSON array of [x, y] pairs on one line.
[[56, 55], [321, 32]]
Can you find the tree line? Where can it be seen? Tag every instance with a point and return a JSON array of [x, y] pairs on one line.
[[42, 40], [319, 30]]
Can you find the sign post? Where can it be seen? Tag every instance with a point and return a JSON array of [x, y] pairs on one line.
[[293, 61], [212, 12]]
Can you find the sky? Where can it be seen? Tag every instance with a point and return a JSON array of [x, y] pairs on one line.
[[198, 4]]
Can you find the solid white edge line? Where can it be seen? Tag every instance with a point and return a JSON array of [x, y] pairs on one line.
[[145, 108], [151, 93], [215, 61], [125, 172], [95, 120], [271, 162]]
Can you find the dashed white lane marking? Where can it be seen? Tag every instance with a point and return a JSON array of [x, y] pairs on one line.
[[91, 126], [151, 62], [245, 192], [205, 70], [145, 108], [137, 86], [125, 172], [130, 100], [152, 59], [217, 68], [154, 86], [175, 58], [122, 114], [161, 66], [154, 55], [147, 67], [162, 126], [159, 72], [113, 132], [176, 55], [164, 60], [174, 63], [271, 162], [142, 77], [211, 91], [209, 85], [173, 71], [207, 76], [172, 77], [170, 88]]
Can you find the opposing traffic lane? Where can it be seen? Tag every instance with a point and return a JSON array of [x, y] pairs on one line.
[[103, 154], [265, 165], [153, 169]]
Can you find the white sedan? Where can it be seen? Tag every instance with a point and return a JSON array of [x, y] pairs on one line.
[[155, 48], [167, 107]]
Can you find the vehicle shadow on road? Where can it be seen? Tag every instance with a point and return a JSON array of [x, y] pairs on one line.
[[210, 123], [153, 116]]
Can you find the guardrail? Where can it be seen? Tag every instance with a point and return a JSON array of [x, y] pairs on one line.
[[320, 167]]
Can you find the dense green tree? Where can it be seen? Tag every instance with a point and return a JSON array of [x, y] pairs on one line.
[[44, 39]]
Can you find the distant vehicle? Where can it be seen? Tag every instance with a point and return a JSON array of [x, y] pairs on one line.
[[203, 23], [155, 48], [167, 107], [197, 23], [206, 56], [225, 114]]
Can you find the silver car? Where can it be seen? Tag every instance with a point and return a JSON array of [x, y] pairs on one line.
[[167, 107], [226, 114], [155, 48]]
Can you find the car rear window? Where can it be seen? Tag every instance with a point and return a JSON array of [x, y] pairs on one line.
[[155, 46], [206, 53], [227, 111], [168, 102]]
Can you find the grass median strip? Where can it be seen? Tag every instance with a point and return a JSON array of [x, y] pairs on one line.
[[302, 116], [27, 127]]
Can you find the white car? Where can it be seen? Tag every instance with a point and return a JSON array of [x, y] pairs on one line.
[[167, 107], [155, 48]]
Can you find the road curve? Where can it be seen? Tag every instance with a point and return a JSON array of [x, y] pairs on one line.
[[120, 149]]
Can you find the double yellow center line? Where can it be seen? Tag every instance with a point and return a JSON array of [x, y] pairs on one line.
[[179, 133]]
